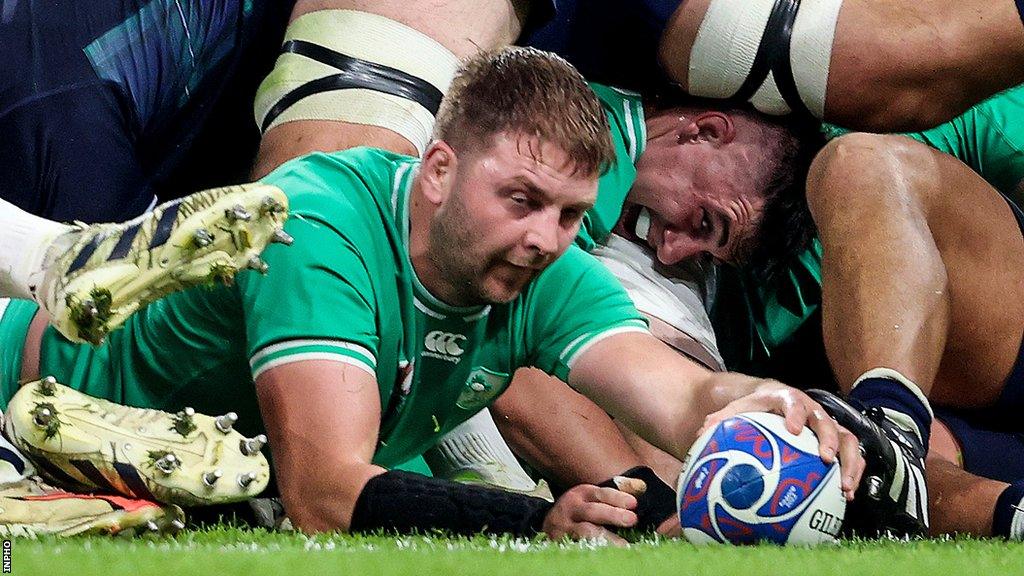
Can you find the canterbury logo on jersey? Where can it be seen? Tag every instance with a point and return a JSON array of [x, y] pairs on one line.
[[443, 346]]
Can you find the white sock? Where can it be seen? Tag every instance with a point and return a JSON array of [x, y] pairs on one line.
[[477, 446], [24, 240], [1017, 524]]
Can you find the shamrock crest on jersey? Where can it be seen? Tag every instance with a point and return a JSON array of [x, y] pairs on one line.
[[481, 387]]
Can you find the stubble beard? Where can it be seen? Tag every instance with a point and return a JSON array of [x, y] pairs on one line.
[[450, 242]]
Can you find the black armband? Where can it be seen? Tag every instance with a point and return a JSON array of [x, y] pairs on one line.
[[656, 504], [403, 502]]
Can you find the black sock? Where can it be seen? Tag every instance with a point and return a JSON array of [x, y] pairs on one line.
[[1006, 510]]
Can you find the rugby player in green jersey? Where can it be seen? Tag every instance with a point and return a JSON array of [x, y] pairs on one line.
[[919, 275], [412, 292]]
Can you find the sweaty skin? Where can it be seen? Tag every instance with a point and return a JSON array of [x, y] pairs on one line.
[[931, 285], [897, 65], [912, 286], [959, 502]]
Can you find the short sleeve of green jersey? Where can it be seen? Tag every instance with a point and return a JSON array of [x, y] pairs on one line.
[[312, 304], [625, 112], [574, 304], [316, 301]]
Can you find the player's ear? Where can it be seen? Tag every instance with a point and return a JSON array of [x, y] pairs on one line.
[[715, 127], [670, 126], [438, 171]]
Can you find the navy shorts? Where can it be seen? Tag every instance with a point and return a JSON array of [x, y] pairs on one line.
[[991, 443], [610, 41], [992, 439], [100, 101]]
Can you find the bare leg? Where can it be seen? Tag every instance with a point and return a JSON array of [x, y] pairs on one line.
[[960, 502], [895, 64], [462, 26], [885, 294], [912, 239], [948, 57]]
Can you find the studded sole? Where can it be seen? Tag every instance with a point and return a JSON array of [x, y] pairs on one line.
[[183, 458]]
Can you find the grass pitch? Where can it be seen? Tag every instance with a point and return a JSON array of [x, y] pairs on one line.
[[229, 551]]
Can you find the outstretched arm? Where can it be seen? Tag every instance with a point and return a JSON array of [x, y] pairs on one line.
[[322, 418], [668, 399]]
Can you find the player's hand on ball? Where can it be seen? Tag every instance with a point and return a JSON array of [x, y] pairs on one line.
[[800, 410], [585, 511]]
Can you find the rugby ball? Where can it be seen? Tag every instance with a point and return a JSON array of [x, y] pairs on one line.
[[749, 480]]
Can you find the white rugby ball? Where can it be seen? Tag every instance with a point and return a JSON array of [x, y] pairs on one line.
[[749, 480]]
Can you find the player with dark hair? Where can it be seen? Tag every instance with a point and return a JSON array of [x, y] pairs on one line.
[[909, 284]]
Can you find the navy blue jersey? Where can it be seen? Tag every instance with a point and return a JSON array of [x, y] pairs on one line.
[[613, 42], [99, 100]]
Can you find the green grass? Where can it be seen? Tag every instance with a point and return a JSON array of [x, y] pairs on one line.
[[229, 551]]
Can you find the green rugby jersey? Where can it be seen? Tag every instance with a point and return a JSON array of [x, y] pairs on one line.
[[345, 291], [988, 137], [625, 111]]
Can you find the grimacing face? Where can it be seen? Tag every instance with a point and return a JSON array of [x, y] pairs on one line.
[[513, 208], [700, 195]]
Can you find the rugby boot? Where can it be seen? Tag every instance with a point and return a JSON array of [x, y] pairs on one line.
[[95, 277], [89, 444], [892, 497], [31, 508]]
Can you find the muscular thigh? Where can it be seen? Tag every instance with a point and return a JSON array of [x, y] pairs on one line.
[[451, 27], [462, 26], [979, 237]]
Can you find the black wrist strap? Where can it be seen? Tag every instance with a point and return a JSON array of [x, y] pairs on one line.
[[398, 501], [653, 506]]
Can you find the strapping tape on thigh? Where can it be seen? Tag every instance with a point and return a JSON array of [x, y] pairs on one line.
[[357, 67], [773, 53]]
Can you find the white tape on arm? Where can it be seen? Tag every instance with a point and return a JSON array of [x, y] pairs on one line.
[[811, 50]]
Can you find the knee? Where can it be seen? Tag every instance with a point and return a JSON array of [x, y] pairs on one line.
[[862, 169], [828, 177]]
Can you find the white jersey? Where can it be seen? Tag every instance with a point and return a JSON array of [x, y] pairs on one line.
[[677, 295]]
